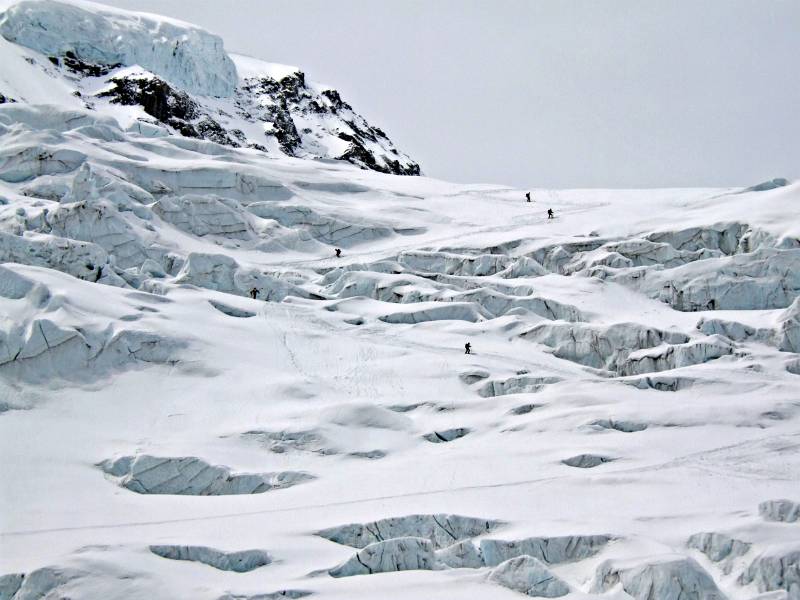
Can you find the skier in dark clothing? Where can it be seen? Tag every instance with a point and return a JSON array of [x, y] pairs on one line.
[[254, 293], [528, 196], [338, 252], [550, 214], [467, 348]]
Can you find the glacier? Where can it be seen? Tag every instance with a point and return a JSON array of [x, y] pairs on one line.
[[199, 399]]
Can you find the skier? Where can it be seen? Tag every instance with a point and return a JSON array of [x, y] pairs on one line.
[[467, 348], [528, 196], [338, 252], [550, 213], [254, 293]]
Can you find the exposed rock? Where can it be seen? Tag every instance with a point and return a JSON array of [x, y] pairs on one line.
[[665, 578], [442, 530], [241, 561], [551, 550], [191, 476], [529, 576]]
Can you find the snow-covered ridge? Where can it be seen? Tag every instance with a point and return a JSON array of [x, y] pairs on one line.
[[189, 56], [146, 70]]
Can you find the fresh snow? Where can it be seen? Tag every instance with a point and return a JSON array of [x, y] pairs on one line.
[[625, 427]]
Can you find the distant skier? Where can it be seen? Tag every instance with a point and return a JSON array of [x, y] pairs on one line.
[[338, 253], [467, 348], [528, 196], [550, 214], [254, 293]]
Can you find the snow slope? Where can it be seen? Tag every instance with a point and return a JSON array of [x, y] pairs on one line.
[[626, 426], [152, 73]]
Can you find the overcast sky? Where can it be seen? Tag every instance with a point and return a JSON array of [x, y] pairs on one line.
[[547, 93]]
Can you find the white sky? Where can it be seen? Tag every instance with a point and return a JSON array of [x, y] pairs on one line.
[[547, 93]]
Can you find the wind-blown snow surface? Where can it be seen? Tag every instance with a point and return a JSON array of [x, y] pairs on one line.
[[627, 425]]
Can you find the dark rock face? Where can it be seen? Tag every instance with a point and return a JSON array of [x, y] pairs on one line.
[[276, 103], [4, 99], [291, 97], [74, 64], [170, 106]]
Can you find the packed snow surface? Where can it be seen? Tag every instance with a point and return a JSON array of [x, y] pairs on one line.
[[200, 400]]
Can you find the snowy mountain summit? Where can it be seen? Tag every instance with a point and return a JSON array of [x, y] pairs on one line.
[[233, 368], [174, 74]]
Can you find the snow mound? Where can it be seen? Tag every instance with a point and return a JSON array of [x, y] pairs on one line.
[[669, 578], [240, 561], [191, 476], [529, 576], [179, 52], [440, 530]]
